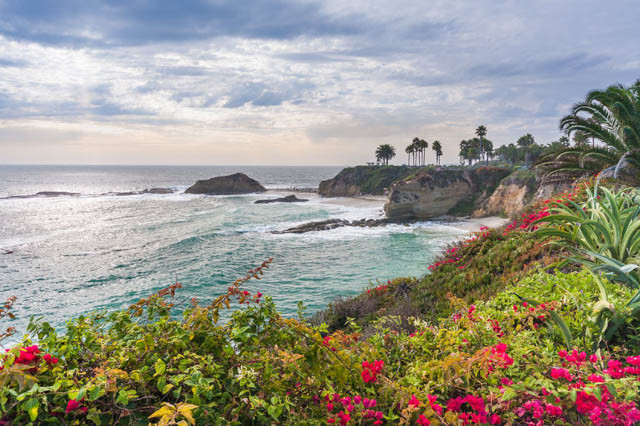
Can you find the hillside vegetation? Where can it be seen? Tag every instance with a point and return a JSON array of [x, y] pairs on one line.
[[535, 323]]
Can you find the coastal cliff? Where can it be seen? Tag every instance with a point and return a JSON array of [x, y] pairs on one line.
[[429, 192], [438, 192], [364, 180], [511, 196]]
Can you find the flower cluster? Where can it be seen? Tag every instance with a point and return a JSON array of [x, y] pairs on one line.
[[327, 342], [30, 355], [370, 370], [74, 406], [593, 398], [348, 406], [472, 409], [415, 403], [381, 288], [499, 357]]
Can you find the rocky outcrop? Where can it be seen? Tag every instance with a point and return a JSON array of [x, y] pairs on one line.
[[238, 183], [158, 191], [329, 224], [511, 196], [323, 225], [547, 188], [144, 191], [439, 192], [287, 199], [364, 180]]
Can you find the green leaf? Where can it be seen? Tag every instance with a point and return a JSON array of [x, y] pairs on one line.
[[31, 406], [160, 367], [123, 397], [509, 394], [95, 393]]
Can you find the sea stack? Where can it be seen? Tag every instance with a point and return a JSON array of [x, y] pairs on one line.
[[237, 183]]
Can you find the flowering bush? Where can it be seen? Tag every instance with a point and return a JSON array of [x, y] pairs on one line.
[[477, 353]]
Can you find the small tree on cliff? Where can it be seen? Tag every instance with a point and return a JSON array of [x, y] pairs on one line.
[[384, 153]]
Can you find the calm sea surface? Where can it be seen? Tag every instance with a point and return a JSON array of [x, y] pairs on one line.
[[68, 255]]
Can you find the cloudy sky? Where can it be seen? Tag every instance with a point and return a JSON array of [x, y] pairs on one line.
[[295, 81]]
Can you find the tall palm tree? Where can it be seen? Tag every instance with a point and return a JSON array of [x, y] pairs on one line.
[[611, 116], [410, 149], [481, 132], [416, 150], [437, 147], [423, 145], [384, 153]]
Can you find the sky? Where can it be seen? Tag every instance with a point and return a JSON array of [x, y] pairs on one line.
[[296, 82]]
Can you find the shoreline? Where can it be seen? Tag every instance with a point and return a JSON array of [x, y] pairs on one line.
[[467, 224]]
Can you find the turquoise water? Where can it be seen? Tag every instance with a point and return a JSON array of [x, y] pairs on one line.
[[73, 254]]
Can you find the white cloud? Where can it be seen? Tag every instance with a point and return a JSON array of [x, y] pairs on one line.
[[365, 73]]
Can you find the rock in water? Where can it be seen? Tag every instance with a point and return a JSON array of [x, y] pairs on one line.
[[237, 183], [287, 199], [158, 191], [324, 225]]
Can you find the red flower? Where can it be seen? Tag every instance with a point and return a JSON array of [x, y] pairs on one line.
[[415, 402], [72, 405], [423, 421]]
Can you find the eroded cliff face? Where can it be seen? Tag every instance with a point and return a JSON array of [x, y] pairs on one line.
[[443, 192], [511, 196]]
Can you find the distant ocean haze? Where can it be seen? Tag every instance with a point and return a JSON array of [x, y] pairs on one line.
[[68, 255]]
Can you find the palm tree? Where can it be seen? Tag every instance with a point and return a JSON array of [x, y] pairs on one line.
[[437, 147], [526, 142], [469, 150], [410, 149], [416, 150], [423, 145], [481, 132], [611, 116], [384, 153]]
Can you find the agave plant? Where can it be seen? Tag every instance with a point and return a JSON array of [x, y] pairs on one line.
[[610, 116], [604, 235]]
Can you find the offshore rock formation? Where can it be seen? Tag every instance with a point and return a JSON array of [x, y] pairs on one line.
[[287, 199], [238, 183]]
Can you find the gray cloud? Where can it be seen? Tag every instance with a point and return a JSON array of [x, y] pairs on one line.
[[67, 22], [323, 72]]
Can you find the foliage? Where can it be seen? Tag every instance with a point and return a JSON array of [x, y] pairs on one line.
[[417, 150], [384, 153], [437, 147], [462, 345], [610, 116], [603, 233]]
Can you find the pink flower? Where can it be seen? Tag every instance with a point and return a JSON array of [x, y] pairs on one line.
[[415, 402], [329, 406], [558, 373], [423, 421], [593, 358], [72, 405], [595, 378]]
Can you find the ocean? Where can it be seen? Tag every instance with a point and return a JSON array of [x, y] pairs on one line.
[[67, 255]]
